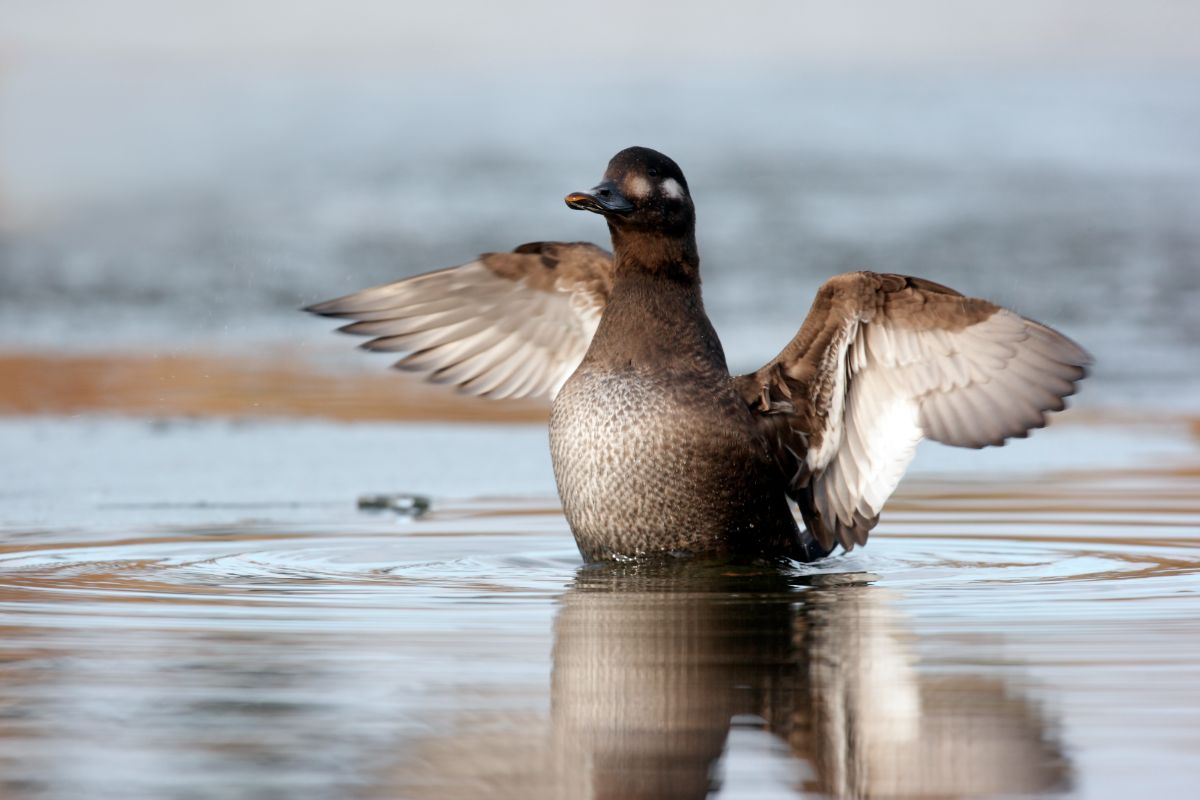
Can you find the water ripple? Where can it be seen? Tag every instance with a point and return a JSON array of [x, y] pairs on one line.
[[1039, 536]]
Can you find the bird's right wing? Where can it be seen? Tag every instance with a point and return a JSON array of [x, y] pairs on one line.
[[505, 325]]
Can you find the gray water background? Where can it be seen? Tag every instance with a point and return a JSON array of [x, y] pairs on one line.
[[172, 208]]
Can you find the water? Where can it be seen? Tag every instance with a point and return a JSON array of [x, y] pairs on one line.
[[243, 633], [191, 607]]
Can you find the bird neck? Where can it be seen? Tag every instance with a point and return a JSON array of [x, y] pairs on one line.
[[655, 316], [671, 254]]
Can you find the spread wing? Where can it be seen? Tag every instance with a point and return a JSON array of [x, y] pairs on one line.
[[883, 361], [505, 325]]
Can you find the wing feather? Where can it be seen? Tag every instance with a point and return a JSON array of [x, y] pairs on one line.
[[883, 361], [505, 325]]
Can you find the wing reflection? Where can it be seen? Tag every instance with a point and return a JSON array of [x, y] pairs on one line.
[[651, 665]]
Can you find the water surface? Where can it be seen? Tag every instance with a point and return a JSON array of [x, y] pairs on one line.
[[216, 629]]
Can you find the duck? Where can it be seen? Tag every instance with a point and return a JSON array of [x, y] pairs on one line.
[[657, 449]]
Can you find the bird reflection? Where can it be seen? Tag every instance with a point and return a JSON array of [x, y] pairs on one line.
[[653, 662]]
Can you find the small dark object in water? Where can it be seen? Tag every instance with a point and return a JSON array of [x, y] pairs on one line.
[[407, 505]]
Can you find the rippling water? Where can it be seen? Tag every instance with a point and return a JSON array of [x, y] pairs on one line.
[[1008, 631]]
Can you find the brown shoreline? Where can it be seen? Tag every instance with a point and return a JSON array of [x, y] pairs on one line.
[[288, 385], [223, 386]]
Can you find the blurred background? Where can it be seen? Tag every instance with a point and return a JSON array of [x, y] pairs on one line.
[[193, 606], [177, 179]]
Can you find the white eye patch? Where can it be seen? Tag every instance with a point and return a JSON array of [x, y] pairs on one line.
[[671, 188], [637, 186]]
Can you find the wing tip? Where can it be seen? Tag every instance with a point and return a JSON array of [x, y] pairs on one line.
[[326, 308], [383, 344], [854, 534], [829, 535], [339, 307]]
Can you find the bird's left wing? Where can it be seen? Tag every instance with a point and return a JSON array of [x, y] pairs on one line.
[[883, 361]]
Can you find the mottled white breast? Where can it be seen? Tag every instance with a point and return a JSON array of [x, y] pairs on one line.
[[643, 466]]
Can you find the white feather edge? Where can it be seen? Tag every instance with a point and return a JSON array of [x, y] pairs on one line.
[[893, 387]]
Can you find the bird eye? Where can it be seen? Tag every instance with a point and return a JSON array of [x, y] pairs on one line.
[[652, 172]]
